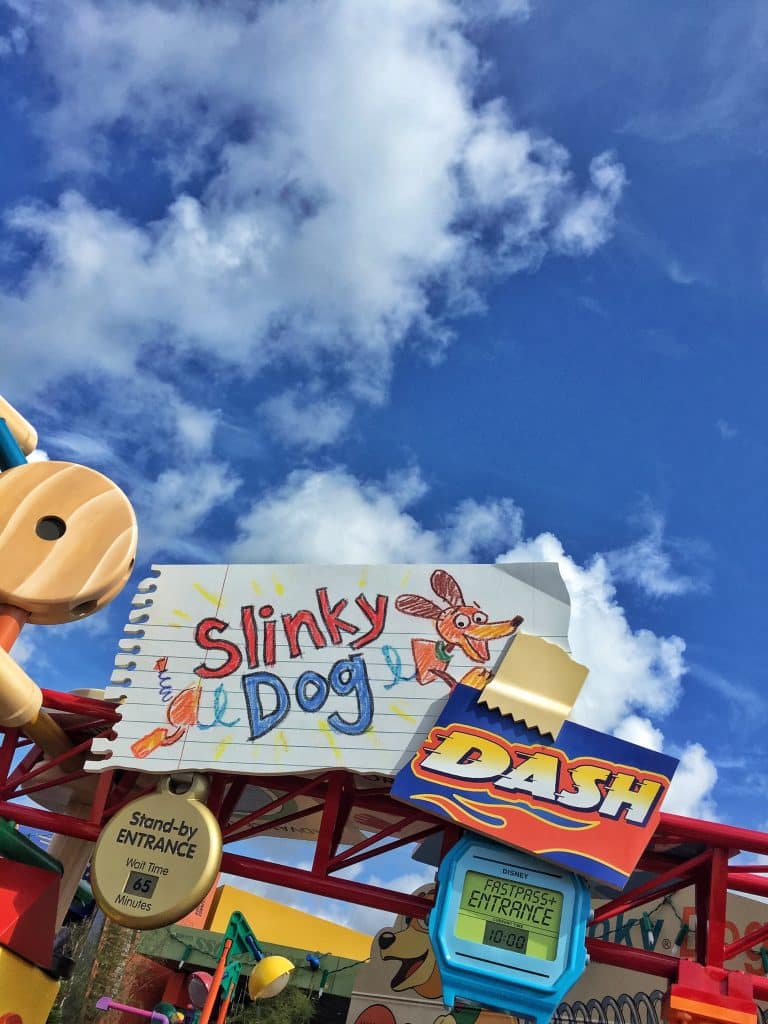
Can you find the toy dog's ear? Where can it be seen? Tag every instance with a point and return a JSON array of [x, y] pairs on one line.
[[445, 586], [412, 604]]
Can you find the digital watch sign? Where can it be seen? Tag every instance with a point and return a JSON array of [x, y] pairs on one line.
[[510, 915], [508, 929]]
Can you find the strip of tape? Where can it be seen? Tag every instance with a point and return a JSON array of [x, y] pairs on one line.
[[536, 682]]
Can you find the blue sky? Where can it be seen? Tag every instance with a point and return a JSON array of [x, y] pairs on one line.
[[474, 281]]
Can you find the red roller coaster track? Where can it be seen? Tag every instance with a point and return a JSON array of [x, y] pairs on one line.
[[684, 852]]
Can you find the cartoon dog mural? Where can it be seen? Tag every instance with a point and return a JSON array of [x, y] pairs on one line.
[[411, 949], [401, 983]]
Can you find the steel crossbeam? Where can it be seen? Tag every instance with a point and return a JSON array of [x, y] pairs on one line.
[[684, 852]]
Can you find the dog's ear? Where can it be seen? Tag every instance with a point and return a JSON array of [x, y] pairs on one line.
[[412, 604], [445, 586]]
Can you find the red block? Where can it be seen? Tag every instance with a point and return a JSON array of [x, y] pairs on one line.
[[28, 899], [709, 995]]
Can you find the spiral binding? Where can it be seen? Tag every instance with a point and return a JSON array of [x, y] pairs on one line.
[[128, 646]]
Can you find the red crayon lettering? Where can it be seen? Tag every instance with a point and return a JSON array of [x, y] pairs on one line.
[[270, 657], [250, 632], [293, 623], [332, 616], [204, 640], [376, 615]]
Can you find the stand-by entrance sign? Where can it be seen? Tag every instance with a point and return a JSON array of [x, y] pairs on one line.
[[157, 857]]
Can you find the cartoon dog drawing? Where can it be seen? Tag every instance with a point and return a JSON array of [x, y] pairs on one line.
[[459, 626], [408, 943], [418, 968]]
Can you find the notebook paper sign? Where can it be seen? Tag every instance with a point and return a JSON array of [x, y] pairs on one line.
[[276, 668]]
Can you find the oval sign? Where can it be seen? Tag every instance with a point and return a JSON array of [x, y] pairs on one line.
[[157, 857]]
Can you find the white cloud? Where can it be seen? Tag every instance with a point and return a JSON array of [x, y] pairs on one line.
[[691, 791], [79, 447], [333, 202], [306, 420], [631, 671], [320, 516], [726, 430], [694, 781], [177, 502], [194, 426], [642, 731], [680, 274], [587, 224], [15, 43], [648, 561]]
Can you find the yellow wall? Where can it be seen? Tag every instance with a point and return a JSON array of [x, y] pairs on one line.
[[24, 989], [273, 922]]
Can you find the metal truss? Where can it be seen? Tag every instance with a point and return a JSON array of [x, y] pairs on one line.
[[355, 819]]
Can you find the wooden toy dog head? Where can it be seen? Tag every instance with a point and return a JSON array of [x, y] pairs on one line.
[[460, 624], [68, 540]]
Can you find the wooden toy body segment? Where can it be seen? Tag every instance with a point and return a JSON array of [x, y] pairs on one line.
[[20, 696], [22, 430], [67, 540]]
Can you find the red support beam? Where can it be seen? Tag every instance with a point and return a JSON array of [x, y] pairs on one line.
[[662, 885], [237, 786], [49, 821], [617, 955], [335, 888], [338, 790], [369, 847], [236, 834], [752, 884], [728, 837], [309, 788], [56, 700], [7, 750], [748, 941], [717, 897]]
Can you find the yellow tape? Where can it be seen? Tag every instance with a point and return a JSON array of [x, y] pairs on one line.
[[536, 682]]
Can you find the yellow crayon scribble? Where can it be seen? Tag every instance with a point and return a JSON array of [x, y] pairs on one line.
[[255, 587], [363, 580], [279, 588], [222, 746], [213, 598], [324, 727], [403, 714], [282, 739], [181, 614], [370, 732], [404, 580]]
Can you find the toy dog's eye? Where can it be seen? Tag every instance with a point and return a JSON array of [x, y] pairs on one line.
[[50, 528], [461, 621], [479, 618]]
